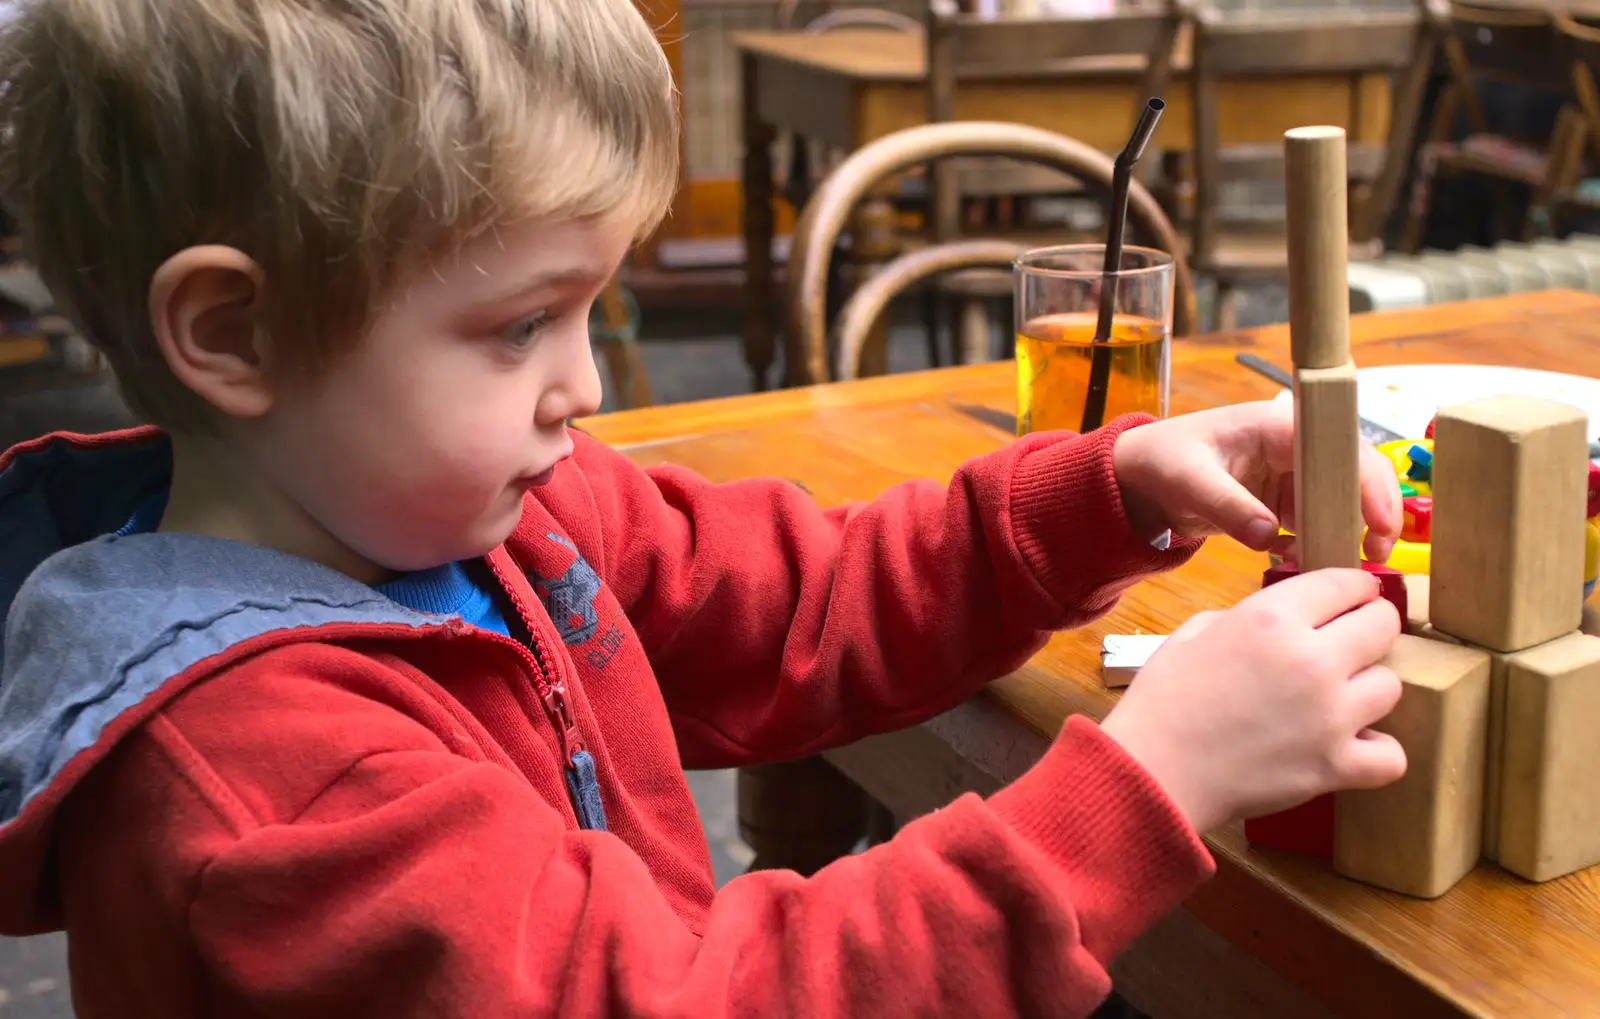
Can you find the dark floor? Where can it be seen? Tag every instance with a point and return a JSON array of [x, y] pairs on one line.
[[33, 978]]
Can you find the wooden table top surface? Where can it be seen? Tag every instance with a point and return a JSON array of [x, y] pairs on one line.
[[877, 55], [1493, 946]]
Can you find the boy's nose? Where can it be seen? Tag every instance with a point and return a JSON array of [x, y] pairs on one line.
[[577, 390]]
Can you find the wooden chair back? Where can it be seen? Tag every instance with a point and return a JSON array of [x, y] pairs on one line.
[[1581, 41], [1508, 44], [1354, 44], [965, 45], [826, 214], [783, 19], [862, 17]]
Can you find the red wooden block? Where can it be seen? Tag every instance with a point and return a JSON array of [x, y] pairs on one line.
[[1418, 518], [1308, 828]]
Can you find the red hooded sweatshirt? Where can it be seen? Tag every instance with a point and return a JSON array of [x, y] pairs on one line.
[[246, 785]]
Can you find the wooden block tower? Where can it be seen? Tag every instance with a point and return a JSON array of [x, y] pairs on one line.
[[1327, 449], [1509, 499], [1501, 690]]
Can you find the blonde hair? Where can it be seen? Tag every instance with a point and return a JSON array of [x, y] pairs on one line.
[[331, 140]]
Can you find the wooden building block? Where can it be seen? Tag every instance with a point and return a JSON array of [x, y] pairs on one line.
[[1316, 180], [1550, 784], [1416, 602], [1327, 468], [1306, 829], [1422, 834], [1509, 494]]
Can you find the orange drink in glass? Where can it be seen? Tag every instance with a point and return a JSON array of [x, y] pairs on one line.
[[1057, 308]]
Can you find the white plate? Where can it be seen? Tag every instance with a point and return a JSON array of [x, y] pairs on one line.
[[1404, 397]]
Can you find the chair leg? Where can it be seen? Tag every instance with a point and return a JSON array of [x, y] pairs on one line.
[[801, 815], [974, 331], [1226, 312], [619, 345], [930, 325]]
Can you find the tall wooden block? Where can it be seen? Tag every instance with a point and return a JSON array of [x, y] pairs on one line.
[[1316, 181], [1550, 784], [1422, 834], [1509, 494], [1327, 468]]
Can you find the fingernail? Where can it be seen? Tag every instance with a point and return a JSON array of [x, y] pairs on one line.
[[1259, 533]]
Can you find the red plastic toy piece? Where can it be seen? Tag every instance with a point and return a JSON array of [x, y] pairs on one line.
[[1428, 433], [1308, 828], [1594, 490], [1418, 518]]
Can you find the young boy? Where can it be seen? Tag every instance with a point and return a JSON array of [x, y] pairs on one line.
[[364, 686]]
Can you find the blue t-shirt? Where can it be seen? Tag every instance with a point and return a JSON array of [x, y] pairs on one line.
[[451, 589]]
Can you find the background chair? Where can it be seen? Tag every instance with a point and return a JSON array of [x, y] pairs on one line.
[[965, 45], [1491, 47], [1232, 251], [1573, 193], [836, 201]]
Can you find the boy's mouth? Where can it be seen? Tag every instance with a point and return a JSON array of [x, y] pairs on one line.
[[541, 478]]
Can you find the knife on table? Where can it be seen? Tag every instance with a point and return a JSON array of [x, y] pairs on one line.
[[1370, 430]]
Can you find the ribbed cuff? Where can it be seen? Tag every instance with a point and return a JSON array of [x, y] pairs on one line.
[[1102, 817], [1069, 524]]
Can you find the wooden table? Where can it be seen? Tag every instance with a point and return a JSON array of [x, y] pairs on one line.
[[849, 88], [1273, 935]]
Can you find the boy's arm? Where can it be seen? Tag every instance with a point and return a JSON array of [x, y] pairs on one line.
[[777, 628], [335, 858]]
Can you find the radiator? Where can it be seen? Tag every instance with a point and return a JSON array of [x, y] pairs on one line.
[[1437, 277]]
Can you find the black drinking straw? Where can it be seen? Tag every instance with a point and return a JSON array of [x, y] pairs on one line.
[[1094, 401]]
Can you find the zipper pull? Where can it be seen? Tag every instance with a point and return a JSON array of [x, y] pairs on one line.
[[555, 702]]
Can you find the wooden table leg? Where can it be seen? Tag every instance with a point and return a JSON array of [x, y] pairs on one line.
[[757, 188], [800, 815]]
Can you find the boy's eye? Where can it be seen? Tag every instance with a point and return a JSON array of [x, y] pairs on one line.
[[523, 331]]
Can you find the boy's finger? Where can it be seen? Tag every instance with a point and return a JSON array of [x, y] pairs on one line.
[[1314, 599], [1368, 760], [1361, 637], [1380, 494], [1376, 547], [1220, 500], [1369, 696]]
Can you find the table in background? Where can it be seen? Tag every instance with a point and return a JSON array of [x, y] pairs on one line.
[[848, 88], [1274, 935]]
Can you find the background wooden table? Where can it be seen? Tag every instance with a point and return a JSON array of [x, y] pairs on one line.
[[848, 88], [1273, 935]]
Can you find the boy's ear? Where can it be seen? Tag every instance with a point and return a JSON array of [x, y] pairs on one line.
[[205, 309]]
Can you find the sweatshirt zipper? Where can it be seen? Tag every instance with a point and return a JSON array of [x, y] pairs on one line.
[[552, 692], [583, 787]]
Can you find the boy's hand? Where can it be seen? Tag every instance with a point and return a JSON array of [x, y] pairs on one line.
[[1266, 705], [1231, 471]]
